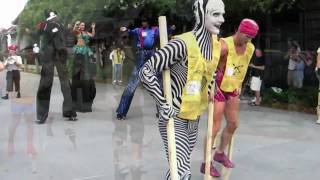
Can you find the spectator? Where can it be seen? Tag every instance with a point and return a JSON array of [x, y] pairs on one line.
[[295, 67], [257, 66], [117, 57], [12, 64], [310, 63]]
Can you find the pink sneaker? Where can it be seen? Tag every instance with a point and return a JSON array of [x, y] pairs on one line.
[[223, 159], [213, 171]]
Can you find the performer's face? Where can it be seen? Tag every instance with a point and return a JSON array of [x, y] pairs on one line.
[[82, 26], [214, 16], [244, 38], [12, 52], [144, 24]]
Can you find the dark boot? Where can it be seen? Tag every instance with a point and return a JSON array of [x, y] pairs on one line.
[[18, 95], [41, 119], [5, 97], [71, 115]]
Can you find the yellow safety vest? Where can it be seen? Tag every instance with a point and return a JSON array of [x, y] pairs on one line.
[[194, 100], [117, 57], [236, 67]]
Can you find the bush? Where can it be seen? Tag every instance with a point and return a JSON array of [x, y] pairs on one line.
[[303, 99]]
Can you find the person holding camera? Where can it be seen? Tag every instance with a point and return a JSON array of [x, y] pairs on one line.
[[295, 67], [13, 64]]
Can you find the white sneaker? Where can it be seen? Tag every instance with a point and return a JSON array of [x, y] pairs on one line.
[[254, 99]]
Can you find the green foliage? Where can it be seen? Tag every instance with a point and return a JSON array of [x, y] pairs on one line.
[[305, 97], [264, 6], [72, 10], [68, 10]]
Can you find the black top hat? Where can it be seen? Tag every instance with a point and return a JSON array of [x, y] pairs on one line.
[[50, 14]]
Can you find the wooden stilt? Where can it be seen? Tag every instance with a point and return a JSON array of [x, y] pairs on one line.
[[209, 138], [167, 92]]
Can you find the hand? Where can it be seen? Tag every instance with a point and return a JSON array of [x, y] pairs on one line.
[[93, 25], [123, 29], [167, 112], [1, 66], [251, 65]]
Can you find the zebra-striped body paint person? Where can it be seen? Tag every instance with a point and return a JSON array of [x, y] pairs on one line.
[[192, 58], [236, 53]]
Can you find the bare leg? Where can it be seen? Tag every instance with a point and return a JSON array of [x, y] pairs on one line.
[[232, 117], [258, 98]]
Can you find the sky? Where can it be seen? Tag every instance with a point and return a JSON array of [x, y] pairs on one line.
[[9, 10]]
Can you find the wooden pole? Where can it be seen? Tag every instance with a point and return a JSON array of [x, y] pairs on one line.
[[167, 92], [207, 175], [318, 107]]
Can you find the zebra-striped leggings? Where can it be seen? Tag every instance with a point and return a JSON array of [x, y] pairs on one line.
[[186, 133]]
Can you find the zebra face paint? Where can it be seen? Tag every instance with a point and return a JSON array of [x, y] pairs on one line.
[[214, 16]]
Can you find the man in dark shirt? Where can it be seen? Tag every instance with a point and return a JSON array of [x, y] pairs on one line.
[[53, 53], [257, 70]]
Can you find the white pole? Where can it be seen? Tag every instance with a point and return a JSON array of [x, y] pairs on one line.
[[167, 92], [318, 107]]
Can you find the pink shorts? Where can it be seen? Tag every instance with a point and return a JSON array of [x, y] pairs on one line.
[[220, 95]]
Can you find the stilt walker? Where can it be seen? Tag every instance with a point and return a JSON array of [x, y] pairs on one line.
[[145, 40], [192, 58], [53, 53], [236, 53]]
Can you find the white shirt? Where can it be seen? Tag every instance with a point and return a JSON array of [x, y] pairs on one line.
[[36, 49], [292, 64], [11, 62]]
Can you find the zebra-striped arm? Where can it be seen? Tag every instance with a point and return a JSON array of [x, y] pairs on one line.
[[174, 52]]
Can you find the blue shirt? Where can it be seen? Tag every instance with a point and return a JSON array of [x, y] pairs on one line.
[[145, 37]]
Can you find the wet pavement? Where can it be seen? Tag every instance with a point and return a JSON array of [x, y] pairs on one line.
[[269, 144]]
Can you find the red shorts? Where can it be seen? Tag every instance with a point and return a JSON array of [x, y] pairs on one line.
[[220, 95]]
